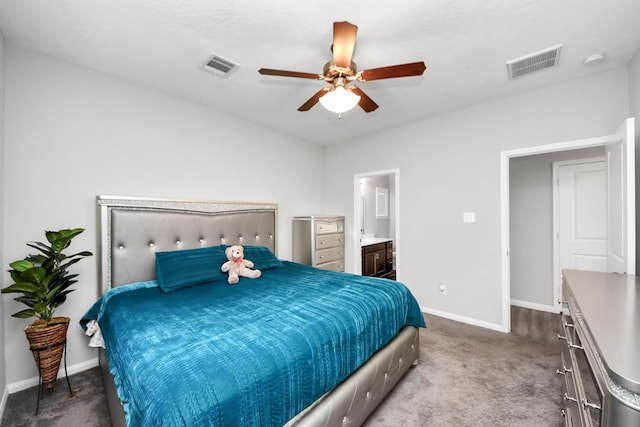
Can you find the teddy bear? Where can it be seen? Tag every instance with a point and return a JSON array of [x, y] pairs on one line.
[[238, 266]]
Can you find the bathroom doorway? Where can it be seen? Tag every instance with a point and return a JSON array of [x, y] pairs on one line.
[[376, 209]]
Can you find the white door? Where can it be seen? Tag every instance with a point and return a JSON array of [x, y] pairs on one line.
[[621, 202], [582, 214], [580, 218]]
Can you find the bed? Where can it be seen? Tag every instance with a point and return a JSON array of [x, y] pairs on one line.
[[309, 379]]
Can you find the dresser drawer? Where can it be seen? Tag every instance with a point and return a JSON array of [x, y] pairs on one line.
[[329, 227], [329, 241], [570, 395], [333, 266], [330, 254], [570, 420]]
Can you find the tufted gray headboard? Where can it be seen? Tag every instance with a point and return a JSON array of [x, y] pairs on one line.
[[132, 230]]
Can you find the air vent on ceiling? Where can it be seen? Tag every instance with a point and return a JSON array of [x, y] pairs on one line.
[[220, 66], [534, 62]]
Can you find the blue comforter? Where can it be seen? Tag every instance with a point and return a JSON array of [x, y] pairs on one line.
[[256, 353]]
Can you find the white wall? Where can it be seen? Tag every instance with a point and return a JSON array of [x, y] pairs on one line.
[[531, 225], [73, 133], [450, 164], [379, 227], [3, 366], [634, 111]]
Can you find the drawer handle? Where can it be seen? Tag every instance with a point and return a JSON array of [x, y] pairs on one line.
[[567, 325], [321, 256], [322, 242], [569, 344], [569, 398], [564, 371], [586, 404]]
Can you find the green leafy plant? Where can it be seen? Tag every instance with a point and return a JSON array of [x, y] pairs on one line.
[[43, 279]]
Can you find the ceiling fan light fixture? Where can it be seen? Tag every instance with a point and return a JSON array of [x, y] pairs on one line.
[[339, 100]]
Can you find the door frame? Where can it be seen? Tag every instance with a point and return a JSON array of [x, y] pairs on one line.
[[557, 281], [357, 222], [504, 207]]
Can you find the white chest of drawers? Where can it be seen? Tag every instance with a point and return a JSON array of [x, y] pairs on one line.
[[318, 241]]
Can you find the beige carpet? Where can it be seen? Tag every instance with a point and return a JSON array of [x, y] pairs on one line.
[[467, 376], [471, 376]]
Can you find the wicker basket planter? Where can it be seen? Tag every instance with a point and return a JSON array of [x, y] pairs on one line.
[[47, 342]]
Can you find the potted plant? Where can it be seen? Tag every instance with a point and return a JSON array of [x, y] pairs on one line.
[[44, 281]]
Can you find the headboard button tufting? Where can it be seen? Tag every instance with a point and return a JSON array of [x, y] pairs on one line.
[[138, 228]]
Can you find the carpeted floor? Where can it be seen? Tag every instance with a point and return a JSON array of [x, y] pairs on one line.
[[471, 376], [87, 406], [467, 376]]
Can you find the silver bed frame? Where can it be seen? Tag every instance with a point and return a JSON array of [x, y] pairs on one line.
[[132, 230]]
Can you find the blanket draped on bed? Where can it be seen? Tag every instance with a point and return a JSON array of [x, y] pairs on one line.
[[256, 353]]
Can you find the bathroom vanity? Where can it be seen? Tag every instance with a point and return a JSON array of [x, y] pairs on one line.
[[377, 257]]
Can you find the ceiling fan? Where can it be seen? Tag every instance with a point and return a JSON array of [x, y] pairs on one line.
[[340, 72]]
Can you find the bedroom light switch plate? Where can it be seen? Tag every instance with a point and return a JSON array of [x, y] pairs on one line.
[[469, 217], [442, 288]]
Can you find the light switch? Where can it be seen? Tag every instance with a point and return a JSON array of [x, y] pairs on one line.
[[469, 217]]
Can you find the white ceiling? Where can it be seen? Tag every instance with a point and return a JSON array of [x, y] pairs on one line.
[[465, 45]]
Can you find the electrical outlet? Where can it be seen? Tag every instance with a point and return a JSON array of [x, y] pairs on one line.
[[442, 288]]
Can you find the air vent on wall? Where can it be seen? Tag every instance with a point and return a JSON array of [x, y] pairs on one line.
[[220, 66], [534, 62]]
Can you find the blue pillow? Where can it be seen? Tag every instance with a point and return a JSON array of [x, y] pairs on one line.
[[189, 267], [261, 256]]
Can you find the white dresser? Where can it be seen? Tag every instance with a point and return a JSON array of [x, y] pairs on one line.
[[318, 241]]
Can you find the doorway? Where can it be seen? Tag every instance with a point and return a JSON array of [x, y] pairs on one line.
[[620, 154], [376, 211], [532, 201]]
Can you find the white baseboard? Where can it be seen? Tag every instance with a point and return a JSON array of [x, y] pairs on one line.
[[30, 382], [534, 306], [463, 319]]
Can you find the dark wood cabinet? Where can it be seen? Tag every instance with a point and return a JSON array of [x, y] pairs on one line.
[[377, 260]]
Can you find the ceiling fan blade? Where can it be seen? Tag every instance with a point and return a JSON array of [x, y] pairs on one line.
[[344, 40], [366, 103], [283, 73], [404, 70], [313, 100]]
